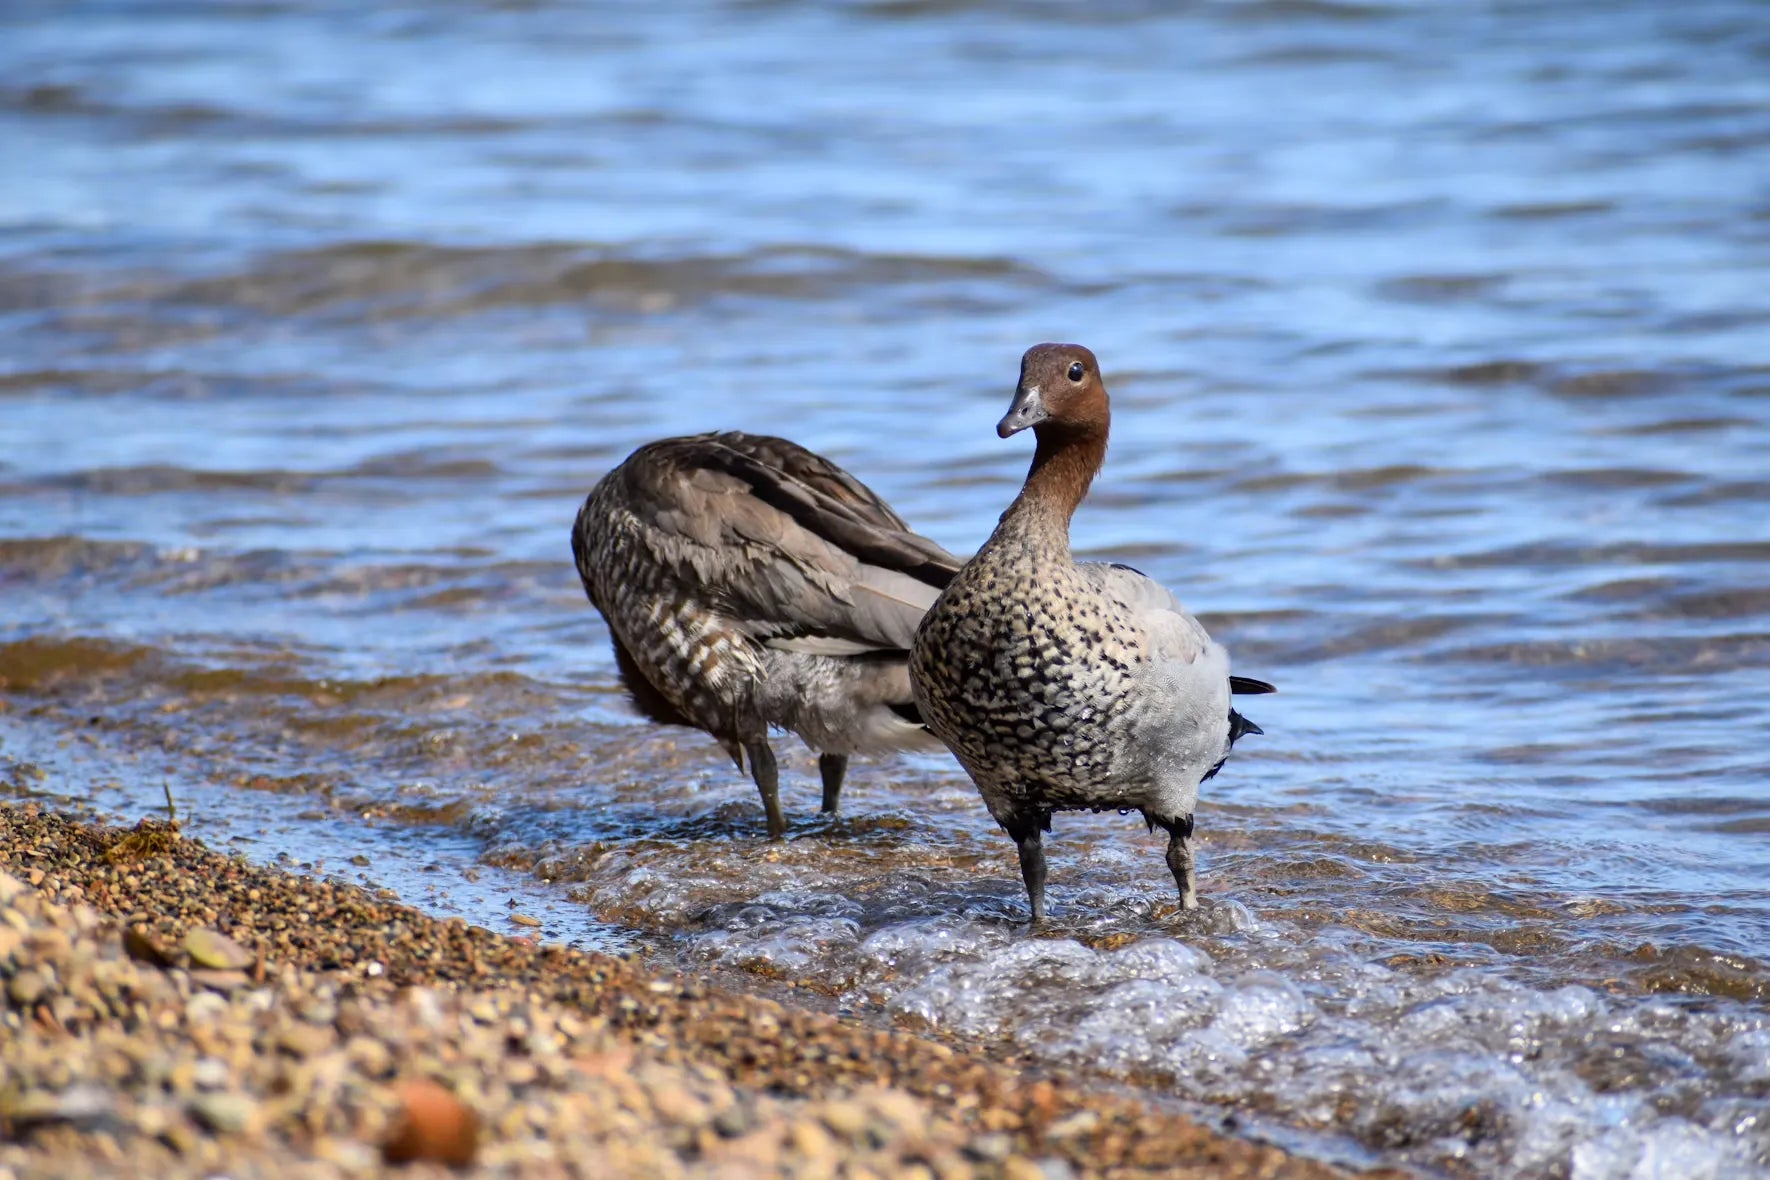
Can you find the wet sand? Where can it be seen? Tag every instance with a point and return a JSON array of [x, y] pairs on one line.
[[296, 1050]]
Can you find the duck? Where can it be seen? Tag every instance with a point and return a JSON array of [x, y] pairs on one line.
[[750, 584], [1062, 685]]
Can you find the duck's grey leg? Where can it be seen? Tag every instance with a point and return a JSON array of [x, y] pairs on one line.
[[1032, 862], [1032, 871], [1180, 860], [768, 781], [832, 767]]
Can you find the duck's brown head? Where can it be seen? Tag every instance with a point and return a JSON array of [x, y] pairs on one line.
[[1060, 388]]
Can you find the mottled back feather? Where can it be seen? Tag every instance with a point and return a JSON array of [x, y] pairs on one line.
[[745, 576]]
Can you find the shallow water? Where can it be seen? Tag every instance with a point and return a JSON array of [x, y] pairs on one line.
[[1439, 340]]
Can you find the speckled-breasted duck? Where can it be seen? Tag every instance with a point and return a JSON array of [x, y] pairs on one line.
[[1062, 685], [749, 583]]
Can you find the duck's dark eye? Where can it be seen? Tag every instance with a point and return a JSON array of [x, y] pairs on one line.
[[1076, 371]]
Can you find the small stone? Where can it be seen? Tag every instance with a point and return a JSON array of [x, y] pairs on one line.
[[66, 1011], [990, 1149], [180, 1137], [847, 1119], [143, 947], [88, 1105], [735, 1120], [319, 1010], [812, 1141], [218, 981], [304, 1040], [353, 1157], [27, 987], [1068, 1127], [224, 1114], [909, 1116], [83, 1105], [152, 1121], [30, 1108], [181, 1079], [370, 1056], [433, 1126], [427, 1007], [211, 948], [674, 1104], [50, 944], [525, 920], [204, 1006], [211, 1073]]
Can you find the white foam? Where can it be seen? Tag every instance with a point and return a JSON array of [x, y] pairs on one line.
[[795, 946], [1463, 1069], [1671, 1149]]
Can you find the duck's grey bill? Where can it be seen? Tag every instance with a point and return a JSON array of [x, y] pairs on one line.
[[1028, 410]]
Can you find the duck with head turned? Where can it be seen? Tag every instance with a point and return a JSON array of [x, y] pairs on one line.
[[1064, 685], [749, 583]]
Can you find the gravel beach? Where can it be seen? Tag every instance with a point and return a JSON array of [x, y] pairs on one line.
[[172, 1011]]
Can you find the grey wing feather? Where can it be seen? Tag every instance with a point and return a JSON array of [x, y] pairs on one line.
[[809, 558], [1173, 632]]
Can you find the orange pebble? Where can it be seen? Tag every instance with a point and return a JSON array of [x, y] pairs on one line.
[[434, 1126]]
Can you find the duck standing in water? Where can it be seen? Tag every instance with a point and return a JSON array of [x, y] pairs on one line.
[[1064, 685], [749, 583]]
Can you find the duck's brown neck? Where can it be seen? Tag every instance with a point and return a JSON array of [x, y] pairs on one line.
[[1066, 462]]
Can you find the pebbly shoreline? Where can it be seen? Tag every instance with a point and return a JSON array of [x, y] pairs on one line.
[[168, 1010]]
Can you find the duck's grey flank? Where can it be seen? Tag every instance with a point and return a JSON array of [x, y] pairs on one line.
[[1062, 685], [749, 583]]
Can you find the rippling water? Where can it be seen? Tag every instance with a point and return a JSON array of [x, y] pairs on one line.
[[1439, 339]]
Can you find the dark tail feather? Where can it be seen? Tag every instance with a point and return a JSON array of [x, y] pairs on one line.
[[652, 704], [1248, 686], [907, 710], [1239, 727]]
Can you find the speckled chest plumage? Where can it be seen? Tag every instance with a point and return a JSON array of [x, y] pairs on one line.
[[1030, 676]]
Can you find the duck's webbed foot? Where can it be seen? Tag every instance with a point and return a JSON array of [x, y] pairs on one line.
[[768, 782], [832, 767], [1180, 858], [1026, 830]]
